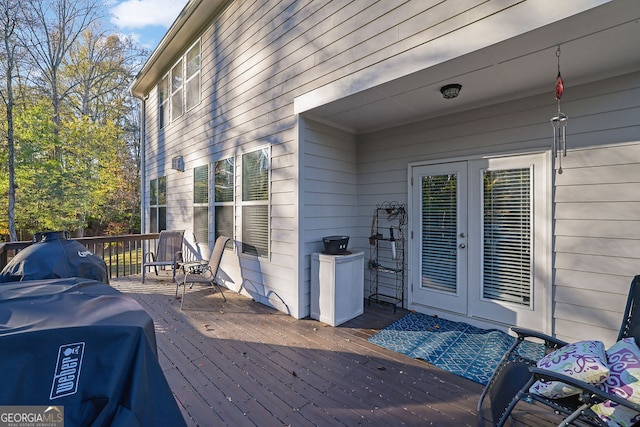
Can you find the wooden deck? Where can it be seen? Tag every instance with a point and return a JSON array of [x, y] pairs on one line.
[[240, 363]]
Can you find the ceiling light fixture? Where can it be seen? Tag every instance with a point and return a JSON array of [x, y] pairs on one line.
[[450, 91]]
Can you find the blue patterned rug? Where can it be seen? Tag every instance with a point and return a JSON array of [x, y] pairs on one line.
[[456, 347]]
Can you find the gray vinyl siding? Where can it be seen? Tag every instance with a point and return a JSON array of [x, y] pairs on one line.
[[329, 187], [597, 197], [257, 57]]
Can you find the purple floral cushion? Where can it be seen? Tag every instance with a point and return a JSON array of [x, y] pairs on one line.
[[624, 363], [583, 360]]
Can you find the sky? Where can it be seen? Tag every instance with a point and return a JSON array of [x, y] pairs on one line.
[[145, 20]]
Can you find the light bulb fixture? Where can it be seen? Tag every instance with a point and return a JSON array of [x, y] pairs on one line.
[[177, 163], [450, 91]]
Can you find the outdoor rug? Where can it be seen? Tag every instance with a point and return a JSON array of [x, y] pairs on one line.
[[457, 347]]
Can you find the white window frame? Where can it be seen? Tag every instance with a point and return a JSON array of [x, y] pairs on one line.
[[177, 87], [205, 204], [155, 227], [249, 203], [227, 203]]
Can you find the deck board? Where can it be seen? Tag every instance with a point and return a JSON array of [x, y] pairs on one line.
[[240, 363]]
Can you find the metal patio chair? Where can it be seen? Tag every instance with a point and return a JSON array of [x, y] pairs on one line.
[[202, 271], [515, 374], [168, 252]]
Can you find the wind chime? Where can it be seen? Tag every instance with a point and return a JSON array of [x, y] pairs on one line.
[[559, 122]]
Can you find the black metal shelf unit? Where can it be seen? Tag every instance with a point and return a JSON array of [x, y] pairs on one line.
[[387, 264]]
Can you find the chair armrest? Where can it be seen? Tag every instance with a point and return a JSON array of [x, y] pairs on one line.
[[192, 263], [590, 394], [549, 341], [149, 257], [177, 258]]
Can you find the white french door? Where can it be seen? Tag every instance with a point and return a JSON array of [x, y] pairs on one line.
[[481, 239]]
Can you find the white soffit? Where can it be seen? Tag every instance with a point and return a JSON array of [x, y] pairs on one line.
[[595, 44]]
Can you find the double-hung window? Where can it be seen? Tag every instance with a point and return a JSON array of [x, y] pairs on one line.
[[255, 202], [201, 203], [158, 204], [224, 197], [180, 89]]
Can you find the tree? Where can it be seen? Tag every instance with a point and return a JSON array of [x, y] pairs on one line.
[[52, 28], [72, 129], [10, 52]]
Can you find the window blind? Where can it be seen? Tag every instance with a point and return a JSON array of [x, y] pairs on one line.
[[224, 173], [439, 229], [507, 235], [255, 176], [224, 221], [201, 184], [201, 223], [255, 230], [255, 206]]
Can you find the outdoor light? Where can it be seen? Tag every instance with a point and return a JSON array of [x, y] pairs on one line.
[[177, 163], [450, 91]]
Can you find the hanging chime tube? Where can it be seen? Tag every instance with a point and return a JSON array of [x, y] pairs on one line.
[[559, 122]]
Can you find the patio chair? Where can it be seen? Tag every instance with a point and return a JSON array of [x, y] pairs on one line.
[[202, 271], [168, 252], [512, 379]]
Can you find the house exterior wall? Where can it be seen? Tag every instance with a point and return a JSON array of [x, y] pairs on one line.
[[329, 192], [258, 57], [597, 197]]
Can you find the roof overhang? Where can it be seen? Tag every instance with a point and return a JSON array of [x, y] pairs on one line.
[[189, 24], [597, 43]]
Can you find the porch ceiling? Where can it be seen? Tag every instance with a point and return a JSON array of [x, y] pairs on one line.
[[599, 43]]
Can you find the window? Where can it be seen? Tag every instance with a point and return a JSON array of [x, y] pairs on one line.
[[163, 97], [201, 203], [192, 82], [223, 201], [158, 204], [179, 90], [255, 202], [176, 90]]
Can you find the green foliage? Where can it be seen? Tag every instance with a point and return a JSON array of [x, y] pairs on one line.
[[90, 181], [76, 126]]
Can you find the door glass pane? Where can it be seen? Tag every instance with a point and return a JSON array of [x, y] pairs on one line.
[[507, 235], [439, 229]]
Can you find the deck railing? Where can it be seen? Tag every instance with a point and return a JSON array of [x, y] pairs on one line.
[[122, 254]]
